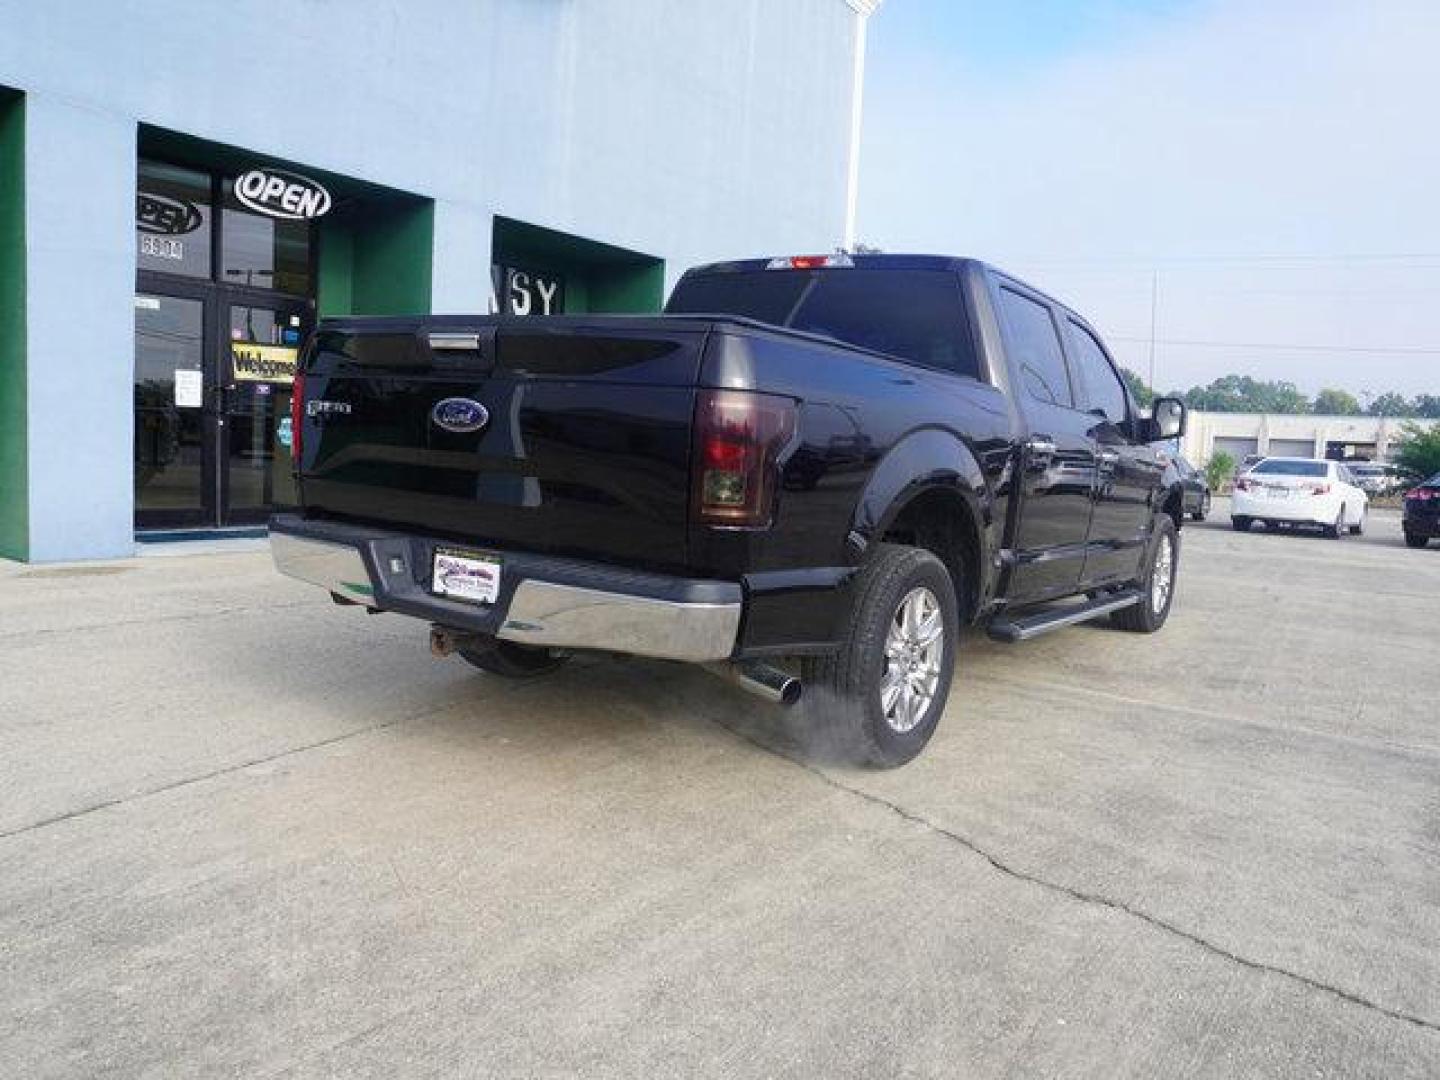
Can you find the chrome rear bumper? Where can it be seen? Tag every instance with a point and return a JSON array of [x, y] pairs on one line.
[[557, 614]]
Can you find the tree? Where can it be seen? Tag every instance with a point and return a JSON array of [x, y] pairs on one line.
[[1418, 449], [1219, 468], [1391, 404], [1241, 393], [1428, 406], [1143, 395], [1336, 403]]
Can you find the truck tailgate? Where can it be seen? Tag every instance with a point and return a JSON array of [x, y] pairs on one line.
[[579, 446]]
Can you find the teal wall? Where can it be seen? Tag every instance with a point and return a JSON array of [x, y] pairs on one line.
[[14, 459], [378, 262]]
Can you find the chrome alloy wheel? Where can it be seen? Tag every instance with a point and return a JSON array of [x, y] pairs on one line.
[[914, 650], [1162, 578]]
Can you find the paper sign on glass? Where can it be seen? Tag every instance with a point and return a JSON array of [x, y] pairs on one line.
[[189, 385]]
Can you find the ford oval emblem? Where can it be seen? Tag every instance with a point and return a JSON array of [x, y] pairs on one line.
[[459, 414]]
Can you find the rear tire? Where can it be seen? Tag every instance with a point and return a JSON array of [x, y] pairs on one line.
[[1337, 530], [1157, 587], [1358, 529], [1204, 511], [511, 661], [1241, 524], [1415, 540], [879, 698]]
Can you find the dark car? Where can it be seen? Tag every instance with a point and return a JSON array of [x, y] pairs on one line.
[[809, 472], [1422, 512], [1196, 489]]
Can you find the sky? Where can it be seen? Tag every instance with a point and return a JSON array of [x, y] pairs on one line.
[[1264, 174]]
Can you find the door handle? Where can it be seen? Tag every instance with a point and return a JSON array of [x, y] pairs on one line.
[[1108, 458]]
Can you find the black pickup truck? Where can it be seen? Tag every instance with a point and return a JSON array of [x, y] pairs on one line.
[[809, 472]]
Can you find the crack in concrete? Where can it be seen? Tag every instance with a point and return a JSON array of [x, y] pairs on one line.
[[195, 616], [1085, 897], [241, 766]]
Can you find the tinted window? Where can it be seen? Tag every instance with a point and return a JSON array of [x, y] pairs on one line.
[[916, 315], [172, 220], [1102, 389], [266, 252], [1036, 347], [768, 296], [1285, 467]]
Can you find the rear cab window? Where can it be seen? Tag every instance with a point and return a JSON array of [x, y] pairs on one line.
[[913, 315]]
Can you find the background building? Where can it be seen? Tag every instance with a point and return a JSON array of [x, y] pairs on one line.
[[186, 185], [1369, 438]]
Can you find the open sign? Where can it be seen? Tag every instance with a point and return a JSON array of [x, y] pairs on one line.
[[282, 194]]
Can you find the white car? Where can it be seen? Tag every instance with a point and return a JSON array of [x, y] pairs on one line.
[[1299, 491]]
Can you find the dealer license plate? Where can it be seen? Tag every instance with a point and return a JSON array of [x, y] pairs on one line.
[[466, 575]]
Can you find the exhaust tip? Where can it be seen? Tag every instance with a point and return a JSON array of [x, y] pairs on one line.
[[791, 691], [775, 686]]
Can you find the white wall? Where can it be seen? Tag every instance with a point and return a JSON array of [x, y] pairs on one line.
[[689, 129], [1203, 428]]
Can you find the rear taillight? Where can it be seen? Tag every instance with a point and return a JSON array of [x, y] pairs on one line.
[[297, 416], [1422, 494], [739, 437], [1242, 484], [1319, 489]]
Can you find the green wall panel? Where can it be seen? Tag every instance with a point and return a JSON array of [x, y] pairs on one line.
[[14, 456], [335, 279], [629, 289], [377, 261], [393, 256]]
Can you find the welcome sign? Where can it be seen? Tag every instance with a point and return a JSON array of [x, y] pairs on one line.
[[263, 363]]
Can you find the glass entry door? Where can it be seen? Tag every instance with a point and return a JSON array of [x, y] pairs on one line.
[[174, 429], [213, 372], [261, 348]]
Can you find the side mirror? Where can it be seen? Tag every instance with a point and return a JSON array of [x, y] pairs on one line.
[[1167, 419]]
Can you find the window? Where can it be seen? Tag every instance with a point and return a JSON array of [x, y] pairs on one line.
[[1103, 391], [263, 252], [172, 220], [1036, 345], [1292, 467], [915, 315]]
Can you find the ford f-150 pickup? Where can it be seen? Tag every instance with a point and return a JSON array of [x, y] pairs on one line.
[[809, 473]]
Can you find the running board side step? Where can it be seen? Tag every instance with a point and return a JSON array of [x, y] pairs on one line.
[[1023, 629]]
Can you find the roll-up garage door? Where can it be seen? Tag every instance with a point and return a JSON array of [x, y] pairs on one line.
[[1236, 448], [1292, 447]]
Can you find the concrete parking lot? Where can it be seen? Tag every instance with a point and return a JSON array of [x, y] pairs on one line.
[[246, 832]]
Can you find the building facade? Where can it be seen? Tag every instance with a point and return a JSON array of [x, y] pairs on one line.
[[1343, 438], [187, 185]]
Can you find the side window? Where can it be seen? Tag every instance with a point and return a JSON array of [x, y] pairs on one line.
[[1102, 390], [1036, 346]]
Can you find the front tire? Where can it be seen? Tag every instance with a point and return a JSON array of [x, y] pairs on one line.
[[878, 700], [1157, 587], [1204, 511], [511, 661], [1241, 524]]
